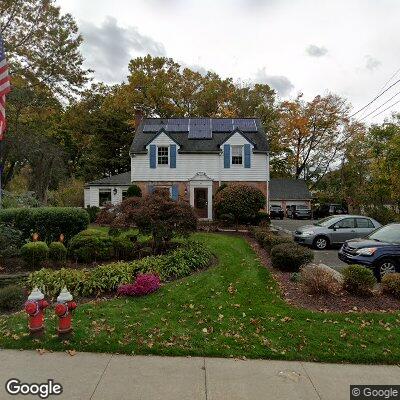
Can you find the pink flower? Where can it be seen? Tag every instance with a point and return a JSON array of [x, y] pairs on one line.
[[144, 284]]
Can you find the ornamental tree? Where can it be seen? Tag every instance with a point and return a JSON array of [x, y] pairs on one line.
[[240, 201]]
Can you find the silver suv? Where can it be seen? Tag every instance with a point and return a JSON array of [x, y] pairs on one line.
[[335, 230]]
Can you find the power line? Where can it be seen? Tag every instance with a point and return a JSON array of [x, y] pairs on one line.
[[377, 108], [387, 108], [383, 87], [375, 98]]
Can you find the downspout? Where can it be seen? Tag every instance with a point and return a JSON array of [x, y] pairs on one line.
[[219, 168]]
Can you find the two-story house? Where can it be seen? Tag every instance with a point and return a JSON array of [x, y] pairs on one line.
[[192, 157]]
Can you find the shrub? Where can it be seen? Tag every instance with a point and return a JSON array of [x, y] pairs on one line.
[[48, 222], [144, 284], [51, 281], [262, 218], [134, 191], [11, 298], [57, 252], [391, 284], [320, 279], [91, 245], [221, 187], [160, 216], [268, 239], [240, 200], [123, 248], [93, 211], [290, 256], [358, 280], [10, 241], [34, 253], [106, 278]]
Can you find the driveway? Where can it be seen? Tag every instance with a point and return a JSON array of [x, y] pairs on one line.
[[328, 257]]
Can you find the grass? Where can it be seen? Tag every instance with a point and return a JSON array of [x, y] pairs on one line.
[[232, 309]]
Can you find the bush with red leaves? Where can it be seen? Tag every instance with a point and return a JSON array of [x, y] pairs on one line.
[[144, 284], [156, 214]]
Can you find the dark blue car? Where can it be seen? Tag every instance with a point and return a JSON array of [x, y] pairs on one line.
[[379, 250]]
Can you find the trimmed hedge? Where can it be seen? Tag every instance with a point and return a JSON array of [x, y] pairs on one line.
[[34, 253], [290, 256], [11, 298], [268, 239], [48, 222], [107, 278], [358, 280], [391, 284], [91, 245], [57, 252]]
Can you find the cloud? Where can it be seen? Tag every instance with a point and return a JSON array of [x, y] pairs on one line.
[[316, 51], [108, 48], [371, 63], [280, 83]]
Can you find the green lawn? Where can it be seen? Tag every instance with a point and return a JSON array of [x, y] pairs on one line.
[[232, 309]]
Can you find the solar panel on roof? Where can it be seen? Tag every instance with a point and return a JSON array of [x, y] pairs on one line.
[[153, 127], [178, 125], [245, 125], [199, 132], [222, 125], [200, 122]]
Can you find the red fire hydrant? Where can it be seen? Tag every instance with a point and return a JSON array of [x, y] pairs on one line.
[[63, 310], [35, 308]]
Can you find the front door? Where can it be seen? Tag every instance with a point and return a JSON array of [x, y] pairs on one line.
[[200, 202]]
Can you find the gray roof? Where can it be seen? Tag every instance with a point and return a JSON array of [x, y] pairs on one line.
[[123, 179], [288, 189], [196, 145]]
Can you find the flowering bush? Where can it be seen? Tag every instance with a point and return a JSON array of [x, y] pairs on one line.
[[144, 284]]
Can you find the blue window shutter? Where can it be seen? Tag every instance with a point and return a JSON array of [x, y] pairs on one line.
[[227, 156], [153, 157], [172, 150], [150, 188], [247, 156], [174, 192]]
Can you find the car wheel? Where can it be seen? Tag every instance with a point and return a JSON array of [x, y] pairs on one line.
[[384, 267], [320, 243]]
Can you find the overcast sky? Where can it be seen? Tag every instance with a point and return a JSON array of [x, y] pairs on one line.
[[348, 47]]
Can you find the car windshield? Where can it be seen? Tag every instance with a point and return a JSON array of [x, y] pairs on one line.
[[277, 207], [328, 221], [388, 233], [300, 207]]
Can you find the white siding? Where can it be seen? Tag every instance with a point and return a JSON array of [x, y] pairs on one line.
[[187, 165], [92, 195], [86, 197]]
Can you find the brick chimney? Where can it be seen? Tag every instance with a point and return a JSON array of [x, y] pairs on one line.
[[138, 117]]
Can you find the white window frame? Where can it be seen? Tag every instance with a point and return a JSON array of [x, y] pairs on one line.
[[168, 156], [242, 151], [105, 190]]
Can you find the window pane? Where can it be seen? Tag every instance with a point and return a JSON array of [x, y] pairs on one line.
[[162, 153], [124, 193], [347, 223], [364, 223], [237, 152], [104, 196]]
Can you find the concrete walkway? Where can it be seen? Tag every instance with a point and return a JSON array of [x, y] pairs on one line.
[[87, 376]]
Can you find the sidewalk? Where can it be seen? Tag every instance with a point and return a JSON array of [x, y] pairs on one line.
[[87, 376]]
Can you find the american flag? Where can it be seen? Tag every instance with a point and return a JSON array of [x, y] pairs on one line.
[[4, 88]]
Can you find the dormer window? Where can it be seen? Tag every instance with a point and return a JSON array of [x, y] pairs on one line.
[[237, 155], [162, 155]]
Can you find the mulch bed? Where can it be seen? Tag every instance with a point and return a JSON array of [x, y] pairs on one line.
[[294, 294]]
